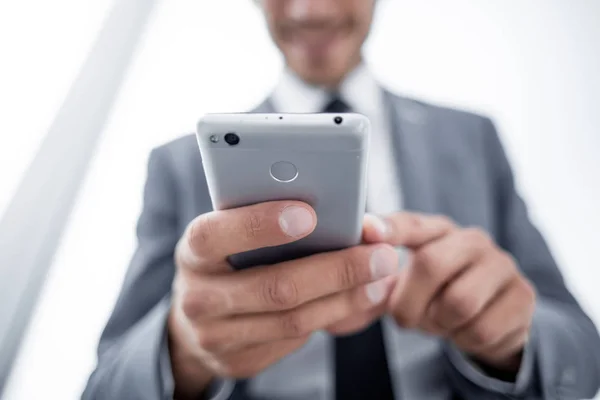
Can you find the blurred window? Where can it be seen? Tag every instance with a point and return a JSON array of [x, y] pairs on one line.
[[175, 77], [42, 46]]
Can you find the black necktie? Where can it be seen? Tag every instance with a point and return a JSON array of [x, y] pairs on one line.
[[361, 370], [336, 105]]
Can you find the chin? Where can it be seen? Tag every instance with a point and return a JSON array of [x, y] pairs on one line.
[[326, 66], [321, 74], [322, 78]]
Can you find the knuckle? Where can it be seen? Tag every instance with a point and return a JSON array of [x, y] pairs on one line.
[[253, 225], [179, 284], [279, 291], [428, 261], [477, 237], [200, 234], [189, 306], [411, 220], [292, 324], [462, 305], [404, 320], [200, 303], [481, 335], [207, 339], [348, 271], [506, 260], [529, 293]]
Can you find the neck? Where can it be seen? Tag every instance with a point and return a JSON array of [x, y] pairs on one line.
[[336, 83]]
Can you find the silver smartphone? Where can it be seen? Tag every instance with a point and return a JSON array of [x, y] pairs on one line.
[[320, 159]]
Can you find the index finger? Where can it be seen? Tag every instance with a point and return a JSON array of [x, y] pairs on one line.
[[289, 284], [214, 236], [405, 228]]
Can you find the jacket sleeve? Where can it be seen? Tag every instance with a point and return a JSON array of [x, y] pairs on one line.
[[563, 355], [128, 365]]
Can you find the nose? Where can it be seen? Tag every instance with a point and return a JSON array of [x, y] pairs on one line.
[[302, 10]]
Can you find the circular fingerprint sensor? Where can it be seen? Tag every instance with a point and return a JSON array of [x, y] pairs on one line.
[[284, 171]]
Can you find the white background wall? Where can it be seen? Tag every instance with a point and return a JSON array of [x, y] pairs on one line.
[[534, 66], [42, 46]]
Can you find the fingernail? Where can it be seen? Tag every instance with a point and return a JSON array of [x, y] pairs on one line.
[[296, 221], [376, 291], [379, 224], [384, 262]]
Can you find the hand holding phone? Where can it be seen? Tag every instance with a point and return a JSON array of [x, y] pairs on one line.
[[229, 323], [319, 159]]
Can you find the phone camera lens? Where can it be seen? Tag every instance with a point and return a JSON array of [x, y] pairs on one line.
[[338, 120], [232, 139]]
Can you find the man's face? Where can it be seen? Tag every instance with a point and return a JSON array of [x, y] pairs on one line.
[[321, 40]]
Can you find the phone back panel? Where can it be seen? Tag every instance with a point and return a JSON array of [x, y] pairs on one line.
[[327, 162]]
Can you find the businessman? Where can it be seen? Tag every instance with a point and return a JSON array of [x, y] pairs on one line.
[[477, 310]]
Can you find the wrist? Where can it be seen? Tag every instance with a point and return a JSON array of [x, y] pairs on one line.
[[190, 374]]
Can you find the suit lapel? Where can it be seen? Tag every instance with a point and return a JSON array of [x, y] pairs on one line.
[[409, 352], [411, 129]]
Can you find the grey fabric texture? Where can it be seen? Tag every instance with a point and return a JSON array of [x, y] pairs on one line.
[[449, 162]]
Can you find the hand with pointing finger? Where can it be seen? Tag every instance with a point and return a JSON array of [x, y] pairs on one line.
[[226, 323], [458, 284]]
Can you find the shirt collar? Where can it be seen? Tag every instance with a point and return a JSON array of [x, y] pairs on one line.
[[359, 90]]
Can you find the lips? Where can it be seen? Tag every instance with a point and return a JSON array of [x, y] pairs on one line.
[[315, 42]]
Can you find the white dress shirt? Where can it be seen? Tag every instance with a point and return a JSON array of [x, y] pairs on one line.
[[361, 92], [365, 96]]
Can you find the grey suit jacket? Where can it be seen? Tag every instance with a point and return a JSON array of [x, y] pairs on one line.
[[450, 162]]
